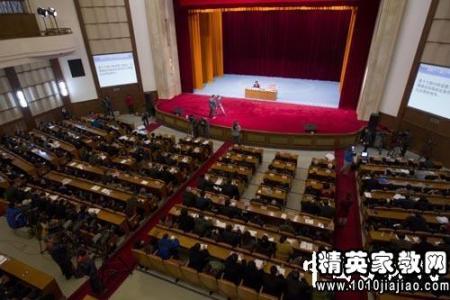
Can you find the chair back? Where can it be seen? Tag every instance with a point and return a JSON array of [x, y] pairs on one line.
[[227, 288], [209, 282]]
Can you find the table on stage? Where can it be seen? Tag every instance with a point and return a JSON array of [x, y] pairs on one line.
[[263, 94]]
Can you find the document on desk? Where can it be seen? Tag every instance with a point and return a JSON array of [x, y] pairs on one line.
[[3, 259], [95, 187]]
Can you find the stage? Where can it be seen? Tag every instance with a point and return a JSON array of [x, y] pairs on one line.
[[290, 90]]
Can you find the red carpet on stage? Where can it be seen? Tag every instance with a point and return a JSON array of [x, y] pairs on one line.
[[269, 116]]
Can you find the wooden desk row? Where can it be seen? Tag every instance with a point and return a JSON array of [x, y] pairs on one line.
[[389, 236], [220, 252], [220, 181], [232, 170], [43, 282], [278, 180], [278, 216], [272, 194], [241, 160], [156, 186], [67, 147], [283, 167], [401, 215], [88, 129], [287, 157], [18, 162], [246, 150], [381, 195], [255, 231], [55, 129]]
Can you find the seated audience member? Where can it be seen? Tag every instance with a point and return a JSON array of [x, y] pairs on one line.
[[233, 269], [286, 226], [400, 243], [247, 241], [273, 283], [202, 226], [264, 246], [256, 85], [252, 276], [15, 217], [327, 211], [189, 197], [423, 246], [422, 204], [228, 210], [296, 287], [327, 190], [284, 249], [168, 247], [229, 236], [204, 184], [185, 221], [198, 257], [230, 190], [202, 202], [310, 207], [416, 223], [405, 203]]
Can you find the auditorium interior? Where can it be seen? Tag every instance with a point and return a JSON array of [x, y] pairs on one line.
[[224, 149]]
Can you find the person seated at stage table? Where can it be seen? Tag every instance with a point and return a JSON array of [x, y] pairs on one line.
[[229, 211], [233, 269], [189, 197], [202, 227], [416, 223], [202, 203], [185, 221], [229, 236], [283, 249], [296, 287], [252, 276], [264, 246], [198, 257], [168, 247], [273, 283], [326, 210], [256, 85]]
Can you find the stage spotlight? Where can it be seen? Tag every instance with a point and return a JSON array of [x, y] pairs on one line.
[[63, 89], [52, 12], [21, 97], [42, 12]]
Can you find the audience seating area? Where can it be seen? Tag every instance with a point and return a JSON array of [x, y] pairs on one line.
[[89, 183], [405, 206], [214, 239]]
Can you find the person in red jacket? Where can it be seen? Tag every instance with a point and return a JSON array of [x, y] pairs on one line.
[[130, 104]]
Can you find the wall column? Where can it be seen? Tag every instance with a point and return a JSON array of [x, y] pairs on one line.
[[16, 86], [56, 67], [378, 64], [161, 23]]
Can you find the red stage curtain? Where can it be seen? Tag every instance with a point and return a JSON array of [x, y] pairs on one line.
[[288, 43]]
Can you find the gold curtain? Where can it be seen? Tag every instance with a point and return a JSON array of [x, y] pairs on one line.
[[196, 50], [205, 31]]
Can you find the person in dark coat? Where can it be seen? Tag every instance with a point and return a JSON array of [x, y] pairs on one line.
[[198, 258], [185, 221], [86, 267], [233, 269], [273, 283], [296, 287], [60, 255], [252, 276]]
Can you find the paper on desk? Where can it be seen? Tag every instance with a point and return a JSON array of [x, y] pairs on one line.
[[306, 245], [221, 224], [93, 211], [27, 189], [442, 220], [3, 259], [95, 187], [66, 181], [144, 182], [219, 181], [283, 216], [309, 221], [233, 204], [123, 161], [271, 239], [54, 197], [185, 160], [368, 194], [252, 232], [239, 227], [106, 191], [398, 196], [203, 246], [281, 270]]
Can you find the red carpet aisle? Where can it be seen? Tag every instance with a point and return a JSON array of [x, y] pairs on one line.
[[266, 115], [118, 267], [349, 236]]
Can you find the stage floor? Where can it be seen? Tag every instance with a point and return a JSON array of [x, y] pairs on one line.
[[290, 90], [266, 115]]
